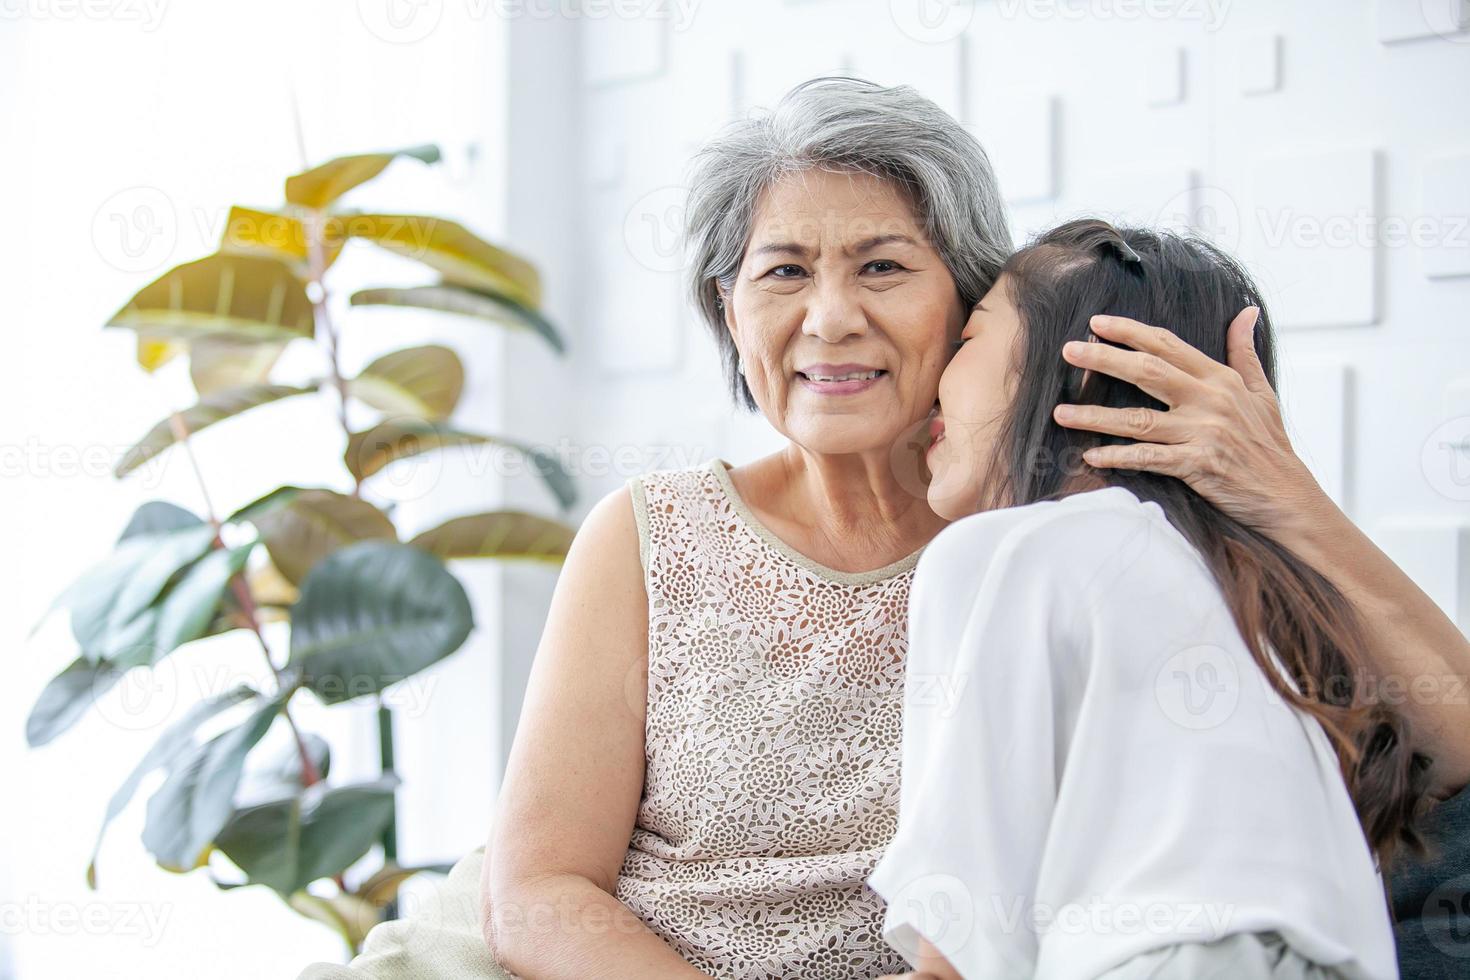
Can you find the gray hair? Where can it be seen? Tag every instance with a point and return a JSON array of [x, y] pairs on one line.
[[842, 123]]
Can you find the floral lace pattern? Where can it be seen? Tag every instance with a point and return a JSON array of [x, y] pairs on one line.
[[775, 690]]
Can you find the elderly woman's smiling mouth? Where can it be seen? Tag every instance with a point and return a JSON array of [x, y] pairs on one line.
[[839, 379]]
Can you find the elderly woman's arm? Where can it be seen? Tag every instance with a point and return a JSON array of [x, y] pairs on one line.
[[1223, 435], [575, 776]]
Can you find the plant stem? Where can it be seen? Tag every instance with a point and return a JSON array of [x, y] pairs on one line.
[[315, 222], [317, 264], [241, 589]]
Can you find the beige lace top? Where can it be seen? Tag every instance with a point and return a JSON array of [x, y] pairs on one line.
[[775, 686]]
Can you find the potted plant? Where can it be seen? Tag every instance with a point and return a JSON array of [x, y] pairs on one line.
[[365, 608]]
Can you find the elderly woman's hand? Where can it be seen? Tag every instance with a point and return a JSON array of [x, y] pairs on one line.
[[1222, 433]]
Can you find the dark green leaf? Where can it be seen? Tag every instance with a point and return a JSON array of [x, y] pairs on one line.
[[67, 697], [147, 580], [197, 798], [321, 831], [175, 740], [157, 516], [191, 605], [372, 614], [280, 774]]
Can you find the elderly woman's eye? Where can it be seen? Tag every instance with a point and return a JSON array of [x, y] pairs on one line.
[[884, 265], [787, 271]]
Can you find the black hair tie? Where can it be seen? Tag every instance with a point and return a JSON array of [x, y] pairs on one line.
[[1123, 250]]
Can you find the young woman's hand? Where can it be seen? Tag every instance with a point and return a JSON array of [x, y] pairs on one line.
[[1222, 433]]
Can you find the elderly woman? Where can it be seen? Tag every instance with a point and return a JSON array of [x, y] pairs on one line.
[[706, 769]]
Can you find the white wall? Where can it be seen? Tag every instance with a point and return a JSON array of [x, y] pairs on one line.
[[1327, 141]]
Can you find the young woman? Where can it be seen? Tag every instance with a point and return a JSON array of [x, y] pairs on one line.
[[1139, 737]]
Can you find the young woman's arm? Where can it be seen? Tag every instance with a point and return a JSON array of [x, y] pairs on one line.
[[575, 776], [1223, 435]]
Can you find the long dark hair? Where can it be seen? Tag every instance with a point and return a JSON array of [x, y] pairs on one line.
[[1057, 282]]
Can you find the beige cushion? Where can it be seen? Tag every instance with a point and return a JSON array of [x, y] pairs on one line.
[[437, 938]]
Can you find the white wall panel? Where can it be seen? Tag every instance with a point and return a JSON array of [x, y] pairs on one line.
[[620, 49], [1259, 59], [1446, 216], [1316, 405], [1413, 20], [1312, 227], [1019, 129]]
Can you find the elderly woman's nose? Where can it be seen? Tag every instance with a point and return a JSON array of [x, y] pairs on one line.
[[833, 312]]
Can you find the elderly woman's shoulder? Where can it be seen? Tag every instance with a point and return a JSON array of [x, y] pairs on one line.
[[609, 534]]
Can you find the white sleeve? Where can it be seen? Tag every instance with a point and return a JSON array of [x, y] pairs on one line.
[[1114, 775], [978, 768]]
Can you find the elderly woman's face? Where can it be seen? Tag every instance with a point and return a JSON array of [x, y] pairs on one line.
[[843, 312]]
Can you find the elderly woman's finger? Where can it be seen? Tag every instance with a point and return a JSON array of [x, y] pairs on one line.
[[1162, 343], [1134, 423], [1240, 351], [1182, 462], [1150, 372]]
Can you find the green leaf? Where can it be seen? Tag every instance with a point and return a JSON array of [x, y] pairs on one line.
[[108, 603], [91, 596], [424, 381], [67, 697], [191, 605], [400, 438], [280, 774], [314, 523], [452, 250], [314, 833], [372, 614], [480, 304], [146, 580], [197, 798], [211, 408], [249, 298], [321, 185], [264, 504], [175, 740], [498, 534], [157, 516]]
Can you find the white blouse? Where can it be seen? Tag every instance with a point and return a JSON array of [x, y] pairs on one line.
[[1094, 769]]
